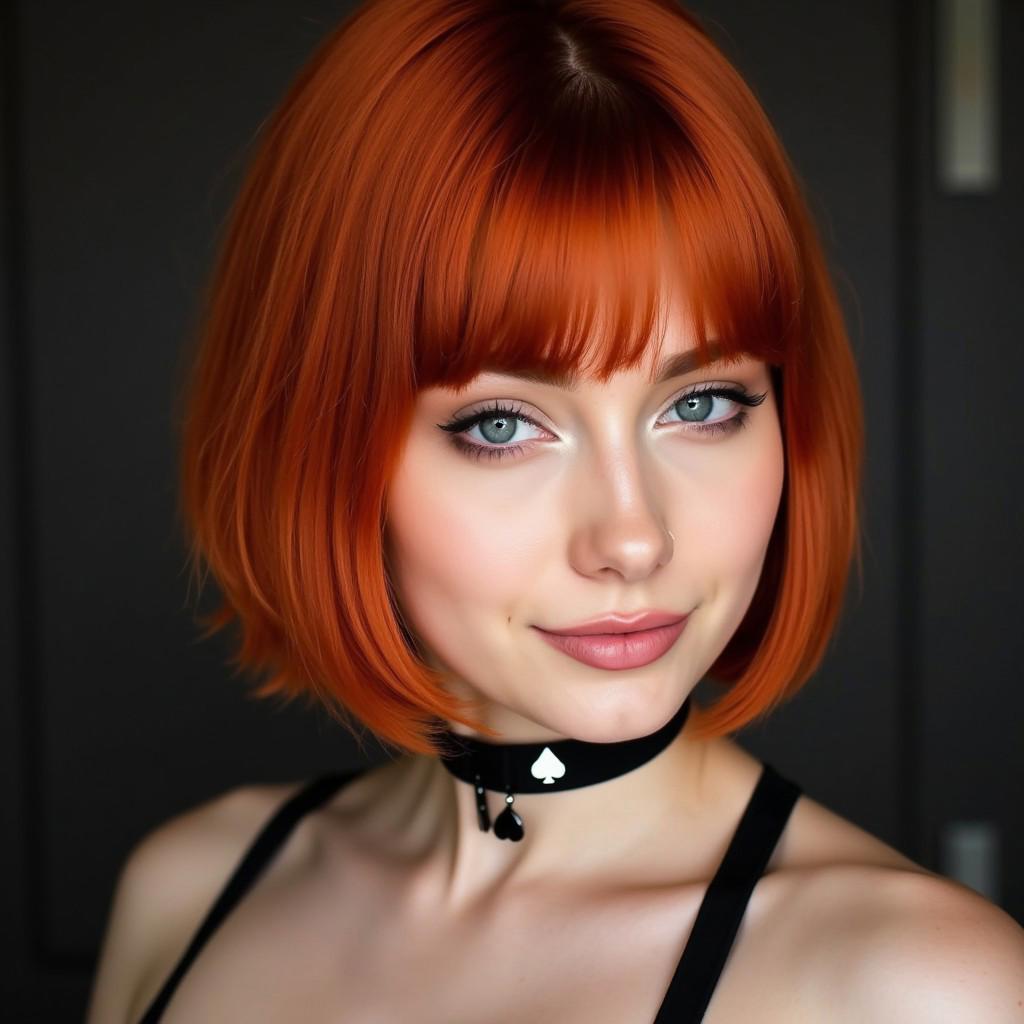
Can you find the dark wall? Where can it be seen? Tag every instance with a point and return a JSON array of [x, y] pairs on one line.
[[965, 531], [125, 131]]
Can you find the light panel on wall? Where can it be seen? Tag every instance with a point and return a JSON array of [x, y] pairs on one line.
[[967, 84]]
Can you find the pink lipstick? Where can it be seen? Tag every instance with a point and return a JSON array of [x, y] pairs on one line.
[[626, 641]]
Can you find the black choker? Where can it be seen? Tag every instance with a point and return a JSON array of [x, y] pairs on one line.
[[511, 768]]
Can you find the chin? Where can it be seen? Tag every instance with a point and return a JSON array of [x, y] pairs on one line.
[[635, 714]]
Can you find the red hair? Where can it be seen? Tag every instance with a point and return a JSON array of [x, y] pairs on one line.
[[450, 186]]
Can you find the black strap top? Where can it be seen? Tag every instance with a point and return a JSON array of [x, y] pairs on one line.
[[706, 950]]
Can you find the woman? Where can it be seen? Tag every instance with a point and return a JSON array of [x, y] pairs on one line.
[[523, 403]]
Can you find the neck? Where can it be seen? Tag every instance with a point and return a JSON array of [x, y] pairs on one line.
[[571, 836]]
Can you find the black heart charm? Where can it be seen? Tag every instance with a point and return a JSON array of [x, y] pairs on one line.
[[508, 825]]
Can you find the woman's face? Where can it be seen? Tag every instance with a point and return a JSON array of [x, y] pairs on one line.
[[616, 498]]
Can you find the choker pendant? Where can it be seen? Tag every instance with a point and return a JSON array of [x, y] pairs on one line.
[[508, 824]]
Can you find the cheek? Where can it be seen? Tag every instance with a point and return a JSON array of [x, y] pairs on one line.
[[452, 554], [729, 531]]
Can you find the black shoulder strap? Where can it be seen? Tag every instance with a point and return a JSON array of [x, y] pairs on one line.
[[270, 838], [718, 919]]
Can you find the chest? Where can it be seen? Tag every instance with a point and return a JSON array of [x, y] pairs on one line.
[[326, 954]]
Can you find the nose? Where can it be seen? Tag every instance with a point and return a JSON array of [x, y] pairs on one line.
[[621, 528]]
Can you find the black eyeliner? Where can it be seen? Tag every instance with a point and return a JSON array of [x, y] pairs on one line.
[[737, 394]]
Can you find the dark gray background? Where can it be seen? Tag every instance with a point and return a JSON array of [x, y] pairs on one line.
[[125, 129]]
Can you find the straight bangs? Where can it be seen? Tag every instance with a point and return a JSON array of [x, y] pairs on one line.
[[565, 259], [452, 187]]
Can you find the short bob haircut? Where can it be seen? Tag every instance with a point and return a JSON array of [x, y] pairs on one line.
[[453, 186]]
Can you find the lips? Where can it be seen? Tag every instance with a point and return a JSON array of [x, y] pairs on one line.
[[619, 622], [619, 650]]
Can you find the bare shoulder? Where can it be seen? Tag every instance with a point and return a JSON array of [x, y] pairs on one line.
[[880, 937], [876, 936], [909, 946], [165, 886]]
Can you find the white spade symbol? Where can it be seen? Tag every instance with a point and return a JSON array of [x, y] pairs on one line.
[[547, 767]]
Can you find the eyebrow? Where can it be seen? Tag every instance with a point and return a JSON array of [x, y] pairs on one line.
[[672, 366]]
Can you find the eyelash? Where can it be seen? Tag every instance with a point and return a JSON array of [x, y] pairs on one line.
[[496, 451]]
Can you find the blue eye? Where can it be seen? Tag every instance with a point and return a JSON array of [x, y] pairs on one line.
[[498, 424], [697, 405]]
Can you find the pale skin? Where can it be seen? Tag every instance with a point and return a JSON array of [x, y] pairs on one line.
[[390, 903]]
